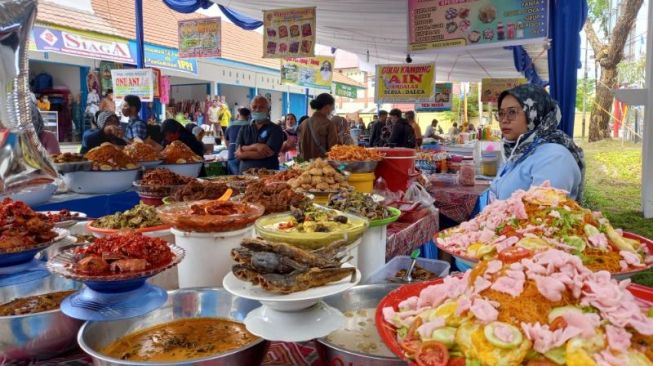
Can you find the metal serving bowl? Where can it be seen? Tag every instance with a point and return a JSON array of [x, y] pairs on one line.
[[359, 297], [39, 335], [355, 166], [181, 304]]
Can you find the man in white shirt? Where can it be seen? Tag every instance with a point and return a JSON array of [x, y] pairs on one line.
[[214, 116]]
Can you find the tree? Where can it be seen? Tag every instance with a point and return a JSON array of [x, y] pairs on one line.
[[585, 88], [608, 51]]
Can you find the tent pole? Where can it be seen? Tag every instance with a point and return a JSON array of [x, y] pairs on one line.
[[140, 45], [647, 140]]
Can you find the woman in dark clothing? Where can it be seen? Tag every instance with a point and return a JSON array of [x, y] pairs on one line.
[[318, 134], [108, 131], [173, 131]]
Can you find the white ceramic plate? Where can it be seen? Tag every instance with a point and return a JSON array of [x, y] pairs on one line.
[[290, 302], [101, 182], [33, 196], [317, 321]]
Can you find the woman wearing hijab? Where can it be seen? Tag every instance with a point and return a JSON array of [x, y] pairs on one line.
[[289, 147], [108, 131], [536, 150]]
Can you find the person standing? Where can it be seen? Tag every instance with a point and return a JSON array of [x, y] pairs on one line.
[[403, 134], [259, 143], [225, 114], [318, 134], [108, 104], [231, 136], [289, 147], [380, 130], [344, 132], [410, 117], [214, 115]]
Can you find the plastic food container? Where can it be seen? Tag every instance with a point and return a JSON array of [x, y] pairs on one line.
[[437, 267], [489, 165], [309, 241], [467, 173], [362, 182]]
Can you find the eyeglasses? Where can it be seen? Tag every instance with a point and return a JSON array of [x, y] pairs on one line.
[[511, 113]]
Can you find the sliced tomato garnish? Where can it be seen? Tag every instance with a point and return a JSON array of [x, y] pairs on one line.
[[410, 347], [558, 323], [514, 254], [412, 331], [432, 353], [458, 361]]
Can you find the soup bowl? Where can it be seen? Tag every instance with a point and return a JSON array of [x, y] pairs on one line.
[[185, 303], [38, 335]]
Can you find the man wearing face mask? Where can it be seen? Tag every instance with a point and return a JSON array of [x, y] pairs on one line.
[[318, 134], [259, 143]]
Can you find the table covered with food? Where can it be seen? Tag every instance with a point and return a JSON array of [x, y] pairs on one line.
[[313, 265]]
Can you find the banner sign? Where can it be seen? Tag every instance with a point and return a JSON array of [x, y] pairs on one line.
[[167, 58], [164, 86], [105, 74], [441, 102], [437, 24], [79, 43], [133, 81], [404, 83], [289, 33], [492, 88], [309, 72], [200, 37], [348, 91]]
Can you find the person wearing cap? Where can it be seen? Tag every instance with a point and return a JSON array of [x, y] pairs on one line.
[[108, 130]]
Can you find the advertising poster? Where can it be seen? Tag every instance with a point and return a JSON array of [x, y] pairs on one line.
[[289, 33], [492, 88], [164, 86], [347, 91], [437, 24], [404, 83], [200, 38], [156, 83], [133, 81], [309, 72], [105, 74], [441, 101]]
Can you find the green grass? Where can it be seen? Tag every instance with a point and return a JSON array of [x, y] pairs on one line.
[[613, 184]]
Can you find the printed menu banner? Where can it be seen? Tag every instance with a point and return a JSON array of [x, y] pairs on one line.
[[137, 82], [404, 83], [289, 32], [438, 24], [310, 72], [200, 37], [441, 102], [348, 91], [105, 74], [492, 88]]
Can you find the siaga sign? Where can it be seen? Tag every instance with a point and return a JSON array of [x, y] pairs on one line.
[[82, 44]]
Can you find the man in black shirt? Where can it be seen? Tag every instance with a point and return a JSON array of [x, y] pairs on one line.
[[377, 138], [259, 143], [403, 134]]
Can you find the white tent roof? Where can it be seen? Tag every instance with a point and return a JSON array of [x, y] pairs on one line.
[[379, 27]]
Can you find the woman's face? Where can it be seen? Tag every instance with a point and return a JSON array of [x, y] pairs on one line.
[[290, 121], [512, 118]]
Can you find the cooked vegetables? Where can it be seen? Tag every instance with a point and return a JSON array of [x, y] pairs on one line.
[[141, 216]]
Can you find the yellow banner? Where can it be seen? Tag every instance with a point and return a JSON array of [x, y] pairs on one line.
[[492, 88], [310, 72], [404, 83]]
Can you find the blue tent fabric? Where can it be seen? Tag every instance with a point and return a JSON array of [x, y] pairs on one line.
[[524, 64], [567, 20], [188, 6], [241, 20]]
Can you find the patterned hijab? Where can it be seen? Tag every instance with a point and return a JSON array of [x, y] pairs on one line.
[[543, 117]]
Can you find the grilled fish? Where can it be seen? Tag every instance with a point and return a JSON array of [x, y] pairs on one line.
[[300, 281]]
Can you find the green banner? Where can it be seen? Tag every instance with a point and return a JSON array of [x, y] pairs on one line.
[[344, 90]]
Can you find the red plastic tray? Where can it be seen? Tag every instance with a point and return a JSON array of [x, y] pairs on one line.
[[389, 335]]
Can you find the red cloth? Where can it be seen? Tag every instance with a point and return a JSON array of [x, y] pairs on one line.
[[458, 202], [403, 238]]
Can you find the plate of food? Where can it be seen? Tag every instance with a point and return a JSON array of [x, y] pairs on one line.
[[197, 190], [237, 182], [122, 261], [354, 159], [141, 218], [112, 171], [364, 205], [311, 227], [548, 309], [64, 218], [70, 162], [542, 218], [146, 155], [180, 159], [318, 177], [24, 232], [274, 196], [284, 277], [210, 216], [158, 183]]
